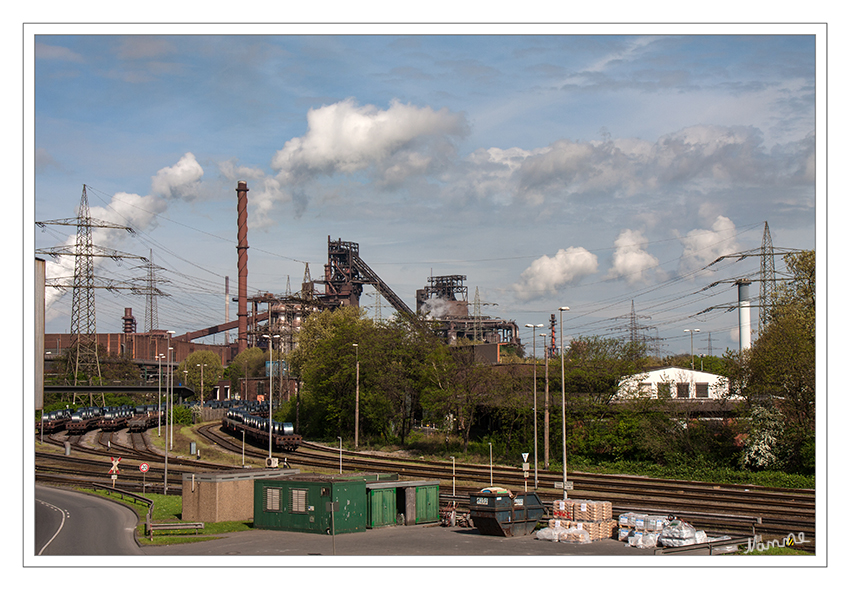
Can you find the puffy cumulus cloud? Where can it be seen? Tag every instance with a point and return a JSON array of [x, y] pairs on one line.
[[631, 261], [703, 246], [180, 181], [344, 138], [546, 275]]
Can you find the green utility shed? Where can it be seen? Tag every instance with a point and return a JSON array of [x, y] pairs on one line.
[[306, 504], [412, 502], [303, 502]]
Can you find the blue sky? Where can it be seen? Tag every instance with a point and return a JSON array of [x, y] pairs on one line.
[[588, 170]]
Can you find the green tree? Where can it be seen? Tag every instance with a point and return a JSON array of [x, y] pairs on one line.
[[459, 386], [212, 372], [248, 364], [325, 362], [393, 357], [778, 371]]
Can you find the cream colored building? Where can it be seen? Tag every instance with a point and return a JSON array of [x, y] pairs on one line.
[[674, 383]]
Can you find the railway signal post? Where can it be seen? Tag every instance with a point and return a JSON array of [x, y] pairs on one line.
[[114, 469]]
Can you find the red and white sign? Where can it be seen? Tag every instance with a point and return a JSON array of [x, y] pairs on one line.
[[115, 463], [144, 467]]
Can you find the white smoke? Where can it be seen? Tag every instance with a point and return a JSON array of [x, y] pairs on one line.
[[436, 308], [125, 209], [179, 181], [346, 138], [264, 192], [546, 275]]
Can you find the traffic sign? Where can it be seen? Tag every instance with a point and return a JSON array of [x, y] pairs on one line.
[[115, 463], [524, 457], [144, 467], [560, 485]]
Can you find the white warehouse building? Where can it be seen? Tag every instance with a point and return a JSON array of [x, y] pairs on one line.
[[674, 383]]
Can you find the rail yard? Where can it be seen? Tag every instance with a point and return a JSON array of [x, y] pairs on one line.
[[733, 510]]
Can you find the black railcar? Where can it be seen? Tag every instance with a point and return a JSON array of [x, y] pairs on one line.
[[256, 429]]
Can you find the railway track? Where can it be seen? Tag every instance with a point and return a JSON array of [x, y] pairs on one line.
[[715, 508], [718, 509], [93, 465]]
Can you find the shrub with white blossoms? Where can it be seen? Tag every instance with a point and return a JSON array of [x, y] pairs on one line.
[[766, 428]]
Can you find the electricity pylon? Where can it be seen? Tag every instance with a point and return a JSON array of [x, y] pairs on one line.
[[83, 318]]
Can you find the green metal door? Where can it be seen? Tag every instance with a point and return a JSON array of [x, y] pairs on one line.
[[382, 507], [427, 504]]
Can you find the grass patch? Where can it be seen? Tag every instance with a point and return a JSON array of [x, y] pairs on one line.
[[774, 479], [439, 447], [775, 551], [170, 509], [209, 452]]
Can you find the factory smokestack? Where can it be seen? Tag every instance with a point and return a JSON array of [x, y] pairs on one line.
[[743, 314], [242, 264], [226, 308]]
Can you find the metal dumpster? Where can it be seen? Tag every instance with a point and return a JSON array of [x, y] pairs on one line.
[[504, 515]]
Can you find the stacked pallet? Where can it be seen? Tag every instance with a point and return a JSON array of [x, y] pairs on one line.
[[594, 517]]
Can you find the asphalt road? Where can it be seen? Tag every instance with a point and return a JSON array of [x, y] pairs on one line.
[[72, 523], [398, 541]]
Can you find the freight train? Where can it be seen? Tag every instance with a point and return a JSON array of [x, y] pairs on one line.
[[144, 417], [53, 421], [256, 429], [114, 418], [83, 420]]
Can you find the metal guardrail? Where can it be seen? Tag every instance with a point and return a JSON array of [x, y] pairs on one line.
[[173, 526], [710, 545], [134, 497], [150, 526]]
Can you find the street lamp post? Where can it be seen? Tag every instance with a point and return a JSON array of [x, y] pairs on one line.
[[202, 384], [356, 395], [453, 476], [491, 463], [271, 376], [692, 345], [171, 386], [159, 399], [168, 385], [534, 356], [546, 407], [561, 311]]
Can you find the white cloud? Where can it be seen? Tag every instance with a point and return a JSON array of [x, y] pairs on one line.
[[344, 138], [631, 261], [703, 246], [44, 51], [697, 158], [546, 275], [179, 181]]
